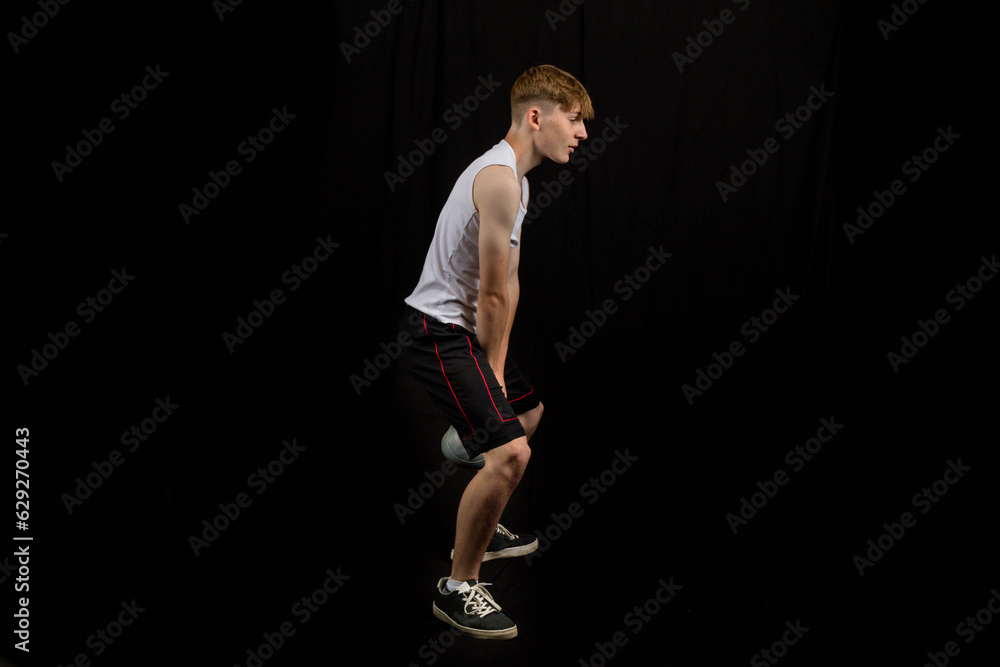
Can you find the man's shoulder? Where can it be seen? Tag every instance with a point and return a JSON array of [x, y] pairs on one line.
[[496, 185], [497, 175]]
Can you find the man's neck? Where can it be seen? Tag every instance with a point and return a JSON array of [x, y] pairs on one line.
[[524, 150]]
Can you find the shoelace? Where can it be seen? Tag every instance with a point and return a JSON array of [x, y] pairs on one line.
[[479, 601], [506, 533]]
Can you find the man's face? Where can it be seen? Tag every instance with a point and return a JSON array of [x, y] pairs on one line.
[[561, 132]]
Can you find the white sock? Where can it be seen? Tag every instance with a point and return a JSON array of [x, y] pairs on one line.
[[453, 585]]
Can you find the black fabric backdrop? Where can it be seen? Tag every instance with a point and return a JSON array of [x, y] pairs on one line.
[[364, 497]]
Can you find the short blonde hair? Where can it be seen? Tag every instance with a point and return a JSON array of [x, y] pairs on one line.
[[547, 86]]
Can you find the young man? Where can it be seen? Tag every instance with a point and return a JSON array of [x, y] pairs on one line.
[[460, 316]]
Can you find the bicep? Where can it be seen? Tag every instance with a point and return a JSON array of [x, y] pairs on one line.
[[492, 193]]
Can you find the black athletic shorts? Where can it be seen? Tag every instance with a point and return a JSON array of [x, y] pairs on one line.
[[450, 364]]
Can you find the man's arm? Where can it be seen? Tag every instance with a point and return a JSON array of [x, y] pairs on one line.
[[513, 294], [497, 195]]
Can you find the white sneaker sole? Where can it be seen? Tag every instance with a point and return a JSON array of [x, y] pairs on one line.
[[509, 552], [507, 633]]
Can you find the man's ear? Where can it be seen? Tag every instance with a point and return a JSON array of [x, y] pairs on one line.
[[534, 117]]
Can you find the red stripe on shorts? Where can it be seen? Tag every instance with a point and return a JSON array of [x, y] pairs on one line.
[[488, 392], [440, 361]]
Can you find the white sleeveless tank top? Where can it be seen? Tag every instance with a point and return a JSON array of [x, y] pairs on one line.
[[448, 289]]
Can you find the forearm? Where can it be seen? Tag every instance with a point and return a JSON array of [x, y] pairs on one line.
[[496, 352], [492, 330], [513, 293]]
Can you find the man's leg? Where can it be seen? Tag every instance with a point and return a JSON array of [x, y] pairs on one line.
[[529, 420], [482, 504]]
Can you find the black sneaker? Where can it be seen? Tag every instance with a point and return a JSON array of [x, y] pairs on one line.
[[471, 609], [506, 544]]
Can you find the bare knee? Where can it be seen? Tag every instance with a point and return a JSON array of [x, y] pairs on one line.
[[508, 461]]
